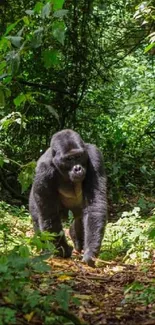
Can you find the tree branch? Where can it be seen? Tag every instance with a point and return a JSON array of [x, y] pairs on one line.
[[42, 86]]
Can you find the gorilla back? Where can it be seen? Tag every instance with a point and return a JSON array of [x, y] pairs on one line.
[[70, 176]]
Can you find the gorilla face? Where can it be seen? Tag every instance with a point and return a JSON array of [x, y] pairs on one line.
[[69, 156], [77, 165]]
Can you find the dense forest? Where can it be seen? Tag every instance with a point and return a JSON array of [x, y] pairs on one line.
[[87, 66]]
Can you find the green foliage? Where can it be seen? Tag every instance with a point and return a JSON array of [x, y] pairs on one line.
[[125, 129], [140, 293], [21, 265], [50, 58], [62, 62], [31, 35], [131, 237], [64, 296], [7, 316], [146, 17], [26, 175]]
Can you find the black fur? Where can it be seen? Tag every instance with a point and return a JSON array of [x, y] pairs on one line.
[[70, 176]]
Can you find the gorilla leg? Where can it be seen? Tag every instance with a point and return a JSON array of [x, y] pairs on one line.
[[34, 212], [63, 249], [46, 218], [77, 234]]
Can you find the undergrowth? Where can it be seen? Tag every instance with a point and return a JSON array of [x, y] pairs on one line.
[[26, 283], [131, 238]]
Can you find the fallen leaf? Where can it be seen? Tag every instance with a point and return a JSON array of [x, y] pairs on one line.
[[64, 277], [29, 317]]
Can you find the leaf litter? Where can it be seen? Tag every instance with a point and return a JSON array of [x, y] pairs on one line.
[[101, 291]]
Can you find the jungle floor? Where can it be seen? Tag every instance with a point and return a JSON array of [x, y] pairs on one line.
[[101, 291]]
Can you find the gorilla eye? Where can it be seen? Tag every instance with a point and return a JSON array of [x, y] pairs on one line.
[[78, 156], [69, 158]]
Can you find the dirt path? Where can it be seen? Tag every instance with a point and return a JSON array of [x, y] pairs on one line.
[[101, 291]]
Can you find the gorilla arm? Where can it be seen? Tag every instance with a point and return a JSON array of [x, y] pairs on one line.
[[95, 210], [44, 205]]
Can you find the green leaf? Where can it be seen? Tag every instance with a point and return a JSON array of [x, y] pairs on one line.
[[19, 100], [33, 299], [4, 44], [58, 4], [46, 10], [8, 315], [38, 7], [52, 111], [37, 37], [29, 12], [14, 59], [11, 27], [149, 47], [3, 268], [24, 251], [135, 286], [60, 13], [15, 40], [2, 65], [152, 234], [26, 175], [59, 31], [1, 161], [50, 58], [26, 20], [63, 296], [41, 267]]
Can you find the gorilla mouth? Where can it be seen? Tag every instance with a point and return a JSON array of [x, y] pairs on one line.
[[77, 177]]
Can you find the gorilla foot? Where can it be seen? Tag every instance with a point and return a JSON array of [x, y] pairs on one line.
[[88, 258]]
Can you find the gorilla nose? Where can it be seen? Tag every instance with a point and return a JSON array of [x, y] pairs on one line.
[[77, 169]]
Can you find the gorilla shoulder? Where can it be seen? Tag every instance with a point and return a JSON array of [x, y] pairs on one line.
[[95, 157], [45, 160]]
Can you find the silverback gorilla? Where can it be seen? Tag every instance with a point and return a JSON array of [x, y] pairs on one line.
[[70, 176]]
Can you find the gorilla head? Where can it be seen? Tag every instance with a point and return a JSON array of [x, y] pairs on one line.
[[69, 155]]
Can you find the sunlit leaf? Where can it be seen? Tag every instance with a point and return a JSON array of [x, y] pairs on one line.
[[14, 59], [29, 12], [21, 98], [149, 47], [29, 317], [64, 277], [52, 111], [46, 10], [58, 4], [59, 31], [11, 27], [15, 40], [37, 37], [60, 13], [38, 7]]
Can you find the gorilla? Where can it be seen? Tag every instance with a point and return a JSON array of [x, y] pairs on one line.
[[70, 176]]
